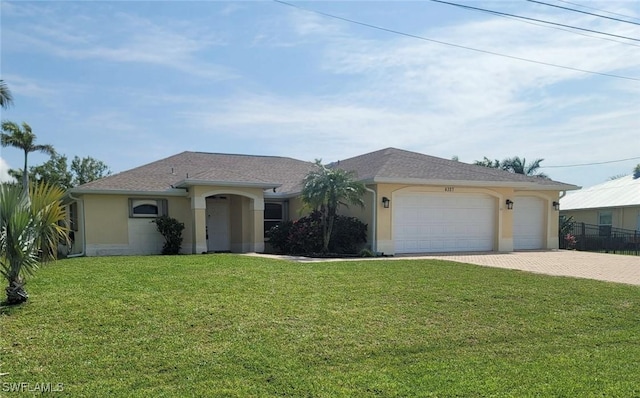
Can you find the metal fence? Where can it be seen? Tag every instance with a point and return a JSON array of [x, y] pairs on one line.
[[600, 238]]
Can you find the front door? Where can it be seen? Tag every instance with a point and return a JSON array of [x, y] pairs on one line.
[[218, 224]]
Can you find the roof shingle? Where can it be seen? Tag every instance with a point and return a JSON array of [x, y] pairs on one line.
[[386, 165]]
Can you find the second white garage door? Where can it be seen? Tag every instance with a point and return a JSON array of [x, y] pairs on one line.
[[429, 223], [528, 223]]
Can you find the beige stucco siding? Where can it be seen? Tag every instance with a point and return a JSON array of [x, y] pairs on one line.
[[180, 209], [108, 229], [106, 219], [297, 209], [622, 217]]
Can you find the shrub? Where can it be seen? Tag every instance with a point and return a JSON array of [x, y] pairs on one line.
[[348, 235], [171, 229], [366, 253], [304, 236]]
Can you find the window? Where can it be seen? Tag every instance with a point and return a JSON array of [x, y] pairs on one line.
[[73, 216], [605, 220], [273, 215], [147, 208]]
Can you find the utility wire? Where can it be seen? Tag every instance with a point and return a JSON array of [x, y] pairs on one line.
[[565, 30], [452, 44], [583, 12], [589, 164], [598, 9], [533, 19]]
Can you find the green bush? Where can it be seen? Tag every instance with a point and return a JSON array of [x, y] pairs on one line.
[[171, 229], [304, 236]]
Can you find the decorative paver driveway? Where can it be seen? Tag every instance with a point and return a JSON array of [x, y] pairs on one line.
[[600, 266]]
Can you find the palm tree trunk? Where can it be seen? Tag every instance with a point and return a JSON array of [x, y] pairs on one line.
[[16, 293], [25, 175]]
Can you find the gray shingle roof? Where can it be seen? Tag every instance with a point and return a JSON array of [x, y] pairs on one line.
[[396, 165], [386, 165], [160, 176]]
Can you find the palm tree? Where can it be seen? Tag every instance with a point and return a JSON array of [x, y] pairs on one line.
[[325, 189], [29, 233], [520, 166], [486, 162], [6, 99], [22, 138], [514, 165]]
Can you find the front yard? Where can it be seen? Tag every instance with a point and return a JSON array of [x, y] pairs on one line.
[[229, 325]]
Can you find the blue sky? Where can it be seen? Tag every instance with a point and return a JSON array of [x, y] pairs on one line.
[[132, 82]]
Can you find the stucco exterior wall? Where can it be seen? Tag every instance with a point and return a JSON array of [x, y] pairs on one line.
[[106, 220], [296, 209], [622, 217], [180, 209], [108, 229]]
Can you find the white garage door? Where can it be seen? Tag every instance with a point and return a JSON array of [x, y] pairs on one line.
[[427, 222], [528, 223]]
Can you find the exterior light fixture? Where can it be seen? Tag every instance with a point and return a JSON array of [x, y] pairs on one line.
[[556, 206], [509, 204], [385, 202]]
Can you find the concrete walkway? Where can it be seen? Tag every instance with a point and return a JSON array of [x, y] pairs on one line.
[[600, 266]]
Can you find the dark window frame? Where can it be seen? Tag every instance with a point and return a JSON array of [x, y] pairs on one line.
[[160, 204]]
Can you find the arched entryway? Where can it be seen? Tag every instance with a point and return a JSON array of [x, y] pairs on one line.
[[228, 220]]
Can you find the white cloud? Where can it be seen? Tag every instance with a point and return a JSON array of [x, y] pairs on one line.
[[130, 39], [4, 171]]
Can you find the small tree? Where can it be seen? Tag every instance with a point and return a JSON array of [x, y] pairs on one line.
[[88, 169], [29, 233], [325, 189], [57, 171], [636, 172], [171, 229]]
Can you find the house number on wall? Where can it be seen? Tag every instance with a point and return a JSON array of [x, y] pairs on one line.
[[448, 189]]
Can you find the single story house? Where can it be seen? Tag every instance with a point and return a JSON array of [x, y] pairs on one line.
[[615, 204], [414, 204]]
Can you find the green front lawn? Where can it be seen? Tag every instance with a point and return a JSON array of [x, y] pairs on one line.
[[228, 325]]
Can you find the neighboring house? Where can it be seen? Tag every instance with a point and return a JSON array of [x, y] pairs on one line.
[[615, 203], [414, 204]]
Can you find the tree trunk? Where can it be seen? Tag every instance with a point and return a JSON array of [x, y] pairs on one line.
[[16, 293]]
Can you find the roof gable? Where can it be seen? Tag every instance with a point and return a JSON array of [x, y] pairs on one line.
[[623, 191]]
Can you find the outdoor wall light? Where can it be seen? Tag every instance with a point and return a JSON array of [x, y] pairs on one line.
[[509, 204], [556, 206], [385, 202]]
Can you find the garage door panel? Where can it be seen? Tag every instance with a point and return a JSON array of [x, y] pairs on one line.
[[528, 223], [462, 222]]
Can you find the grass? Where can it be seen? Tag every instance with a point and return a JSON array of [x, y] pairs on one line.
[[236, 326]]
